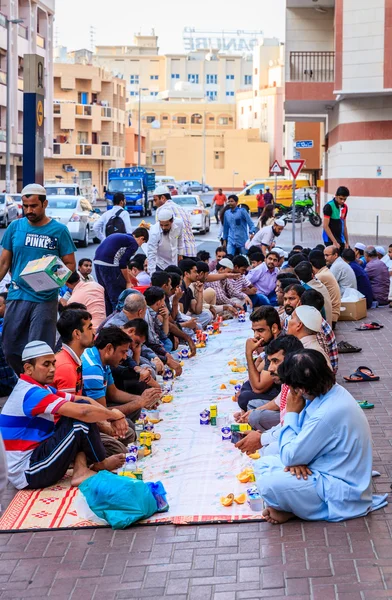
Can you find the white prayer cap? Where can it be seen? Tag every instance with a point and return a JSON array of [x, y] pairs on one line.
[[226, 262], [380, 250], [310, 317], [36, 349], [281, 252], [165, 214], [360, 246], [33, 189], [280, 223], [160, 190]]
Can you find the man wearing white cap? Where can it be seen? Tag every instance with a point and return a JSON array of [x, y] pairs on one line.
[[265, 238], [305, 324], [162, 197], [359, 250], [45, 430], [31, 315], [166, 243]]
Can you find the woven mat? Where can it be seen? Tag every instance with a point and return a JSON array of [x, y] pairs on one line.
[[194, 464]]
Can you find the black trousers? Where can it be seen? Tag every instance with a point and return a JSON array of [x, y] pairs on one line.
[[247, 394], [52, 458]]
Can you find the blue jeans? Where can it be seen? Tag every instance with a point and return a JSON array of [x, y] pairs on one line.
[[272, 298], [235, 250], [259, 300], [114, 283], [167, 344]]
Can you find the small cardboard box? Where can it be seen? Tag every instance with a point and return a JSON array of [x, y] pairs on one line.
[[353, 311], [45, 273]]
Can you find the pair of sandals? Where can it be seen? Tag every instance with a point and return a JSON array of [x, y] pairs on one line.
[[362, 374], [373, 326]]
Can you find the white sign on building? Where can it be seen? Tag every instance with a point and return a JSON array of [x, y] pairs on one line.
[[225, 41]]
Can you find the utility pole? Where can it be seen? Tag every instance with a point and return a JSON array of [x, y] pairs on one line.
[[8, 107]]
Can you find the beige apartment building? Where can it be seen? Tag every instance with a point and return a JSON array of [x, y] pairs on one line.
[[34, 35], [89, 124]]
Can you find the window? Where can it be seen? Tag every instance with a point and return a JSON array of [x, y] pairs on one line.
[[212, 79], [219, 160], [248, 79], [211, 118], [196, 119], [82, 137], [229, 76], [165, 118], [229, 93], [212, 95], [153, 93], [255, 115], [155, 77], [181, 120], [134, 79], [193, 78], [175, 76], [150, 118], [223, 121], [133, 93]]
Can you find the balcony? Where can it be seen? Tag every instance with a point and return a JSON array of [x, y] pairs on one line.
[[309, 90], [93, 151], [83, 149], [40, 41], [23, 32], [83, 110], [106, 112]]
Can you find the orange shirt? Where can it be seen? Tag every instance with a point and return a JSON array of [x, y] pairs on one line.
[[219, 199], [68, 374]]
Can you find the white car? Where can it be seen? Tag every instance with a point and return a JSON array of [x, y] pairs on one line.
[[194, 206], [76, 213], [8, 210]]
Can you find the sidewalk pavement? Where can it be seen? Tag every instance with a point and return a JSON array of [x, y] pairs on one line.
[[298, 560]]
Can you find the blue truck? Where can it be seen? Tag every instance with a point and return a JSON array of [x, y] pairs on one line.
[[137, 185]]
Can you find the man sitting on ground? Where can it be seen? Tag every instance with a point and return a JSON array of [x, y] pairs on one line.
[[323, 274], [137, 269], [157, 315], [242, 283], [378, 274], [263, 277], [343, 273], [90, 293], [291, 299], [305, 324], [283, 281], [226, 293], [305, 273], [192, 302], [326, 337], [44, 430], [220, 253], [363, 282], [325, 442]]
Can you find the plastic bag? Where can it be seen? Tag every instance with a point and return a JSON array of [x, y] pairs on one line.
[[351, 295], [121, 501]]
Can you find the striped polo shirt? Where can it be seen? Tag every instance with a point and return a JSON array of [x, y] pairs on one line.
[[96, 376]]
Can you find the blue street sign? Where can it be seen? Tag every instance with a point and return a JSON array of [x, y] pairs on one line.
[[297, 154], [304, 144]]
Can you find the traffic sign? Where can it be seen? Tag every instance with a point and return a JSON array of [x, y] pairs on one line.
[[303, 144], [295, 166], [276, 169]]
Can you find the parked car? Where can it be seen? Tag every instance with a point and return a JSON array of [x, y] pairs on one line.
[[172, 189], [8, 209], [76, 213], [190, 186], [194, 206], [17, 198]]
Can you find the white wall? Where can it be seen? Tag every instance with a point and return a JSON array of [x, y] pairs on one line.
[[363, 45]]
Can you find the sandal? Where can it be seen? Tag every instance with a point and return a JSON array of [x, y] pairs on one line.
[[365, 404], [346, 348], [374, 326], [362, 374]]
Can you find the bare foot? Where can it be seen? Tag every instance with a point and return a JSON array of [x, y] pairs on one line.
[[81, 472], [111, 463], [276, 517]]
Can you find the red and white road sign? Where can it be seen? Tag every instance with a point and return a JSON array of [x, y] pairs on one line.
[[295, 166], [276, 169]]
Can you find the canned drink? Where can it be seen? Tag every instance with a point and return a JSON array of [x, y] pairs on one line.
[[210, 329], [145, 439], [226, 433], [167, 374], [184, 353], [132, 449], [149, 427], [238, 387], [205, 417]]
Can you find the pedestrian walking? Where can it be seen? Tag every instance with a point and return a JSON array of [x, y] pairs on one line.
[[31, 315], [237, 226], [218, 202], [268, 197]]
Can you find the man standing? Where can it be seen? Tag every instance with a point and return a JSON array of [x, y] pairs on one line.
[[85, 267], [94, 195], [166, 242], [236, 227], [343, 273], [162, 197], [219, 200], [378, 274], [111, 265], [264, 276], [268, 197], [31, 315], [260, 203], [266, 237], [335, 220], [115, 220]]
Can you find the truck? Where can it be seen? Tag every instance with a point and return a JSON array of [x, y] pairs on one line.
[[137, 185]]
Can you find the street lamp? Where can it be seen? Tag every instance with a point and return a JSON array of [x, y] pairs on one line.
[[8, 116], [140, 125]]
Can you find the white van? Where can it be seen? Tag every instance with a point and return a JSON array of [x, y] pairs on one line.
[[164, 180]]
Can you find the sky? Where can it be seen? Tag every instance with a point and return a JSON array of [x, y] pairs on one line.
[[115, 21]]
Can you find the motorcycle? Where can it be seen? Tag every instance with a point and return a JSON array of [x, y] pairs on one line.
[[303, 210]]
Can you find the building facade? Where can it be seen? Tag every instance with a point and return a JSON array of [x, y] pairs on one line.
[[89, 124], [339, 72], [34, 35]]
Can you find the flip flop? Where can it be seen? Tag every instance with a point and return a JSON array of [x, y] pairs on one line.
[[365, 404], [362, 374], [346, 348], [374, 326]]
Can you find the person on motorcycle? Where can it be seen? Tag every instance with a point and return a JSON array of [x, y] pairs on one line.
[[335, 220], [265, 238]]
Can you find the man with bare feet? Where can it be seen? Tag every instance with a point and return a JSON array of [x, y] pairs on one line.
[[45, 430], [324, 468]]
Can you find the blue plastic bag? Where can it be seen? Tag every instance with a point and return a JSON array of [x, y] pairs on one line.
[[121, 501]]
